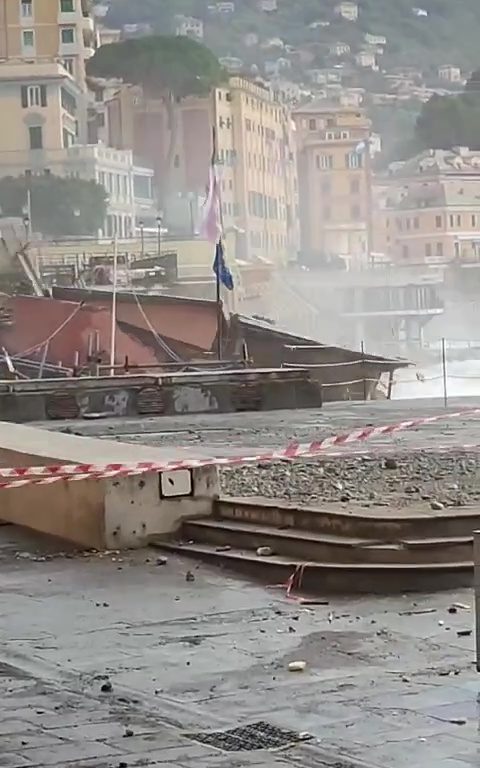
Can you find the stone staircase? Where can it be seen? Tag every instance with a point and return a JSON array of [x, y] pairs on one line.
[[337, 551]]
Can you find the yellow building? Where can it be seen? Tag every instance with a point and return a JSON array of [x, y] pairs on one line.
[[256, 152], [36, 30], [335, 183]]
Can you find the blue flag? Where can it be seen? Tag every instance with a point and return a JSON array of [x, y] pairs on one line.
[[220, 268]]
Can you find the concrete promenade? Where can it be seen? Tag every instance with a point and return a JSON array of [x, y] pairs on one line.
[[389, 683]]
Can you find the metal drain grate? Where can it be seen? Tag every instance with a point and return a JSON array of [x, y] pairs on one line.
[[246, 738]]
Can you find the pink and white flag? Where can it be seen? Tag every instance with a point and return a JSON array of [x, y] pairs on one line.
[[211, 225]]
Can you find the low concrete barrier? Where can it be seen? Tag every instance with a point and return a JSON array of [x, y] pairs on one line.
[[111, 513], [153, 395]]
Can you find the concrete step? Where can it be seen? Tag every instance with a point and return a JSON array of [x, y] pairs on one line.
[[328, 548], [372, 524], [322, 578]]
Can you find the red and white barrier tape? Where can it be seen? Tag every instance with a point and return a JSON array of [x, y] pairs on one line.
[[17, 477]]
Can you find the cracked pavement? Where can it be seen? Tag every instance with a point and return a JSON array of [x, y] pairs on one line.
[[388, 682]]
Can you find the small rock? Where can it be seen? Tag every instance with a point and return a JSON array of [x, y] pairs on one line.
[[189, 576], [346, 497], [122, 764], [405, 679], [458, 721], [128, 733], [437, 506], [441, 623], [264, 551], [223, 548], [106, 687], [390, 463], [464, 632], [292, 629], [297, 666], [161, 561], [452, 609]]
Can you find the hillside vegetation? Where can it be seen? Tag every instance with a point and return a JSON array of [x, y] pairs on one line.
[[448, 34]]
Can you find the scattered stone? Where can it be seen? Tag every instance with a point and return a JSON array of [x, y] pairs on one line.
[[452, 609], [297, 666], [390, 463], [264, 551], [128, 733], [223, 548], [161, 561], [189, 576], [464, 632], [441, 623], [437, 506], [458, 721], [405, 679], [106, 687]]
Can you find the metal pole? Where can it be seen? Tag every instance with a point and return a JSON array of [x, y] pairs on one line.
[[363, 371], [476, 586], [219, 316], [142, 238], [159, 238], [113, 333], [444, 372]]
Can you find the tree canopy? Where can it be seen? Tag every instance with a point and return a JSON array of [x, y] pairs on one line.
[[449, 121], [162, 65], [60, 207]]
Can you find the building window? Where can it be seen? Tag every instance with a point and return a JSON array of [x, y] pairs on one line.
[[312, 125], [356, 213], [248, 124], [28, 38], [405, 251], [69, 65], [34, 96], [452, 220], [67, 35], [474, 221], [324, 162], [459, 221], [69, 103], [416, 223], [428, 250], [36, 137], [440, 250], [353, 160], [355, 186], [330, 136], [344, 135], [438, 222], [27, 9], [67, 6]]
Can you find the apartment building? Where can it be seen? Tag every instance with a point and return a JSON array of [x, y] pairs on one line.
[[333, 146], [432, 208], [36, 30], [256, 152], [255, 155], [45, 105]]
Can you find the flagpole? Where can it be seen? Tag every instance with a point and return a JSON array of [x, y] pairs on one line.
[[218, 297]]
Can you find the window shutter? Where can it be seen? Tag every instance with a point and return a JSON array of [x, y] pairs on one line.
[[43, 95], [24, 90]]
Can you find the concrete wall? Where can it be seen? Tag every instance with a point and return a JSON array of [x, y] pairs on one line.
[[109, 513], [166, 395]]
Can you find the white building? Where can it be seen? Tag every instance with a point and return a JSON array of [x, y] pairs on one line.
[[347, 10], [366, 59], [267, 6], [339, 49], [450, 74], [188, 26]]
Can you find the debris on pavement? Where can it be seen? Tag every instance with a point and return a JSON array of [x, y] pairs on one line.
[[297, 666], [264, 551]]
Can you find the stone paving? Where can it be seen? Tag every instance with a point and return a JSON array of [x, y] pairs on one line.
[[388, 682]]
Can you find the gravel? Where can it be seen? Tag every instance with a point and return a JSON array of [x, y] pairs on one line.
[[422, 480]]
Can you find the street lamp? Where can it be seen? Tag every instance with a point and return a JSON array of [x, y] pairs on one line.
[[141, 224], [26, 224], [159, 221]]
